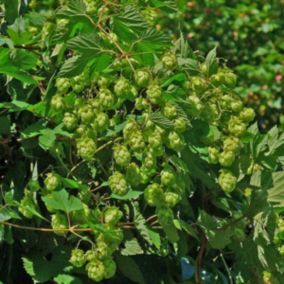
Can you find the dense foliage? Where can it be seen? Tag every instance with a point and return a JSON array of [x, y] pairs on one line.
[[249, 35], [126, 158]]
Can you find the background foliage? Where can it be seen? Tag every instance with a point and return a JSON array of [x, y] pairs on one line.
[[249, 35], [133, 154]]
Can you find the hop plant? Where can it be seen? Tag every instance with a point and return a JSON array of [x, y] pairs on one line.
[[227, 181], [154, 92], [70, 121], [112, 215], [77, 258], [154, 195], [142, 78], [27, 207], [95, 270], [213, 155], [52, 181], [86, 148], [167, 176], [118, 184], [226, 158], [169, 60], [121, 155], [172, 198]]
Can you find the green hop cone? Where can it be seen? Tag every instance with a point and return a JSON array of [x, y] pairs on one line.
[[227, 158], [122, 87], [121, 155], [96, 270], [112, 215], [169, 60], [112, 237], [86, 114], [170, 110], [175, 141], [142, 78], [236, 127], [247, 115], [196, 106], [52, 181], [180, 124], [59, 223], [70, 121], [91, 255], [110, 267], [172, 198], [86, 148], [213, 155], [57, 102], [232, 143], [118, 184], [102, 250], [62, 85], [154, 92], [101, 122], [106, 98], [230, 79], [154, 195], [77, 258], [236, 106], [198, 85], [167, 176], [26, 207], [227, 181]]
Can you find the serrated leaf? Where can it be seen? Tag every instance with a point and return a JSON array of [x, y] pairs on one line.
[[211, 61], [276, 193], [60, 200], [161, 120], [41, 269], [73, 66], [131, 247]]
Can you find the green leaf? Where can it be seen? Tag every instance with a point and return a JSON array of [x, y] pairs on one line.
[[12, 8], [155, 238], [25, 60], [73, 66], [131, 247], [132, 194], [60, 200], [41, 269], [47, 139], [130, 269], [67, 279], [276, 193], [211, 61], [161, 120]]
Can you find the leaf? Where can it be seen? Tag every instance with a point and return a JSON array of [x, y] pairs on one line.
[[67, 279], [155, 238], [211, 61], [129, 23], [276, 193], [41, 269], [60, 200], [130, 269], [73, 66], [26, 60], [161, 120], [180, 77], [12, 8], [47, 139], [131, 194], [131, 247]]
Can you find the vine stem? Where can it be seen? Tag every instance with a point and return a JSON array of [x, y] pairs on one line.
[[227, 268], [198, 261], [72, 229]]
